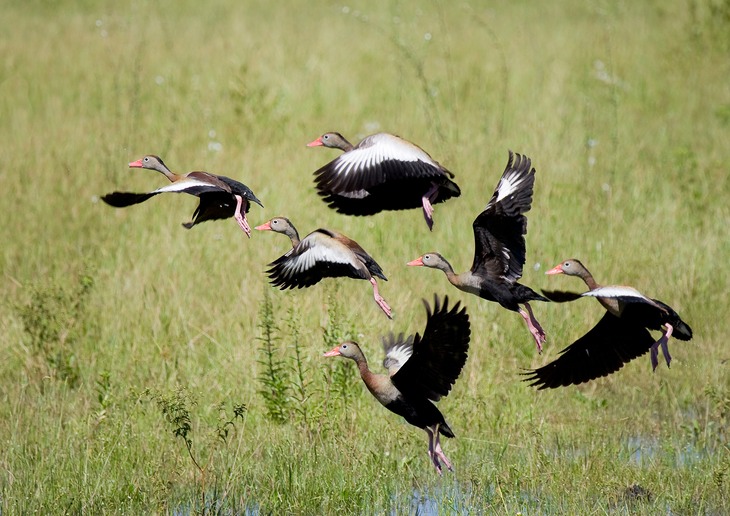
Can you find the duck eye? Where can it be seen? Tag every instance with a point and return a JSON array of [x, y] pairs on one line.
[[344, 346]]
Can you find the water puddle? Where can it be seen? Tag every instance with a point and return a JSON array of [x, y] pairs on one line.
[[645, 450]]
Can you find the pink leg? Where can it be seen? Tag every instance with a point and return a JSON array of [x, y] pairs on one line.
[[664, 343], [241, 217], [426, 200], [440, 453], [431, 452], [379, 299], [537, 332]]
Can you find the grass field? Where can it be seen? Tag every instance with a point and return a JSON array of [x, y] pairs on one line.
[[147, 368]]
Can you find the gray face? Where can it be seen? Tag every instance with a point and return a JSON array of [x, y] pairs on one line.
[[571, 267], [431, 259], [279, 224]]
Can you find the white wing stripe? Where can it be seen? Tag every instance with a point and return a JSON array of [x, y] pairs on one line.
[[377, 149], [509, 184], [399, 355], [181, 186], [616, 291], [309, 258]]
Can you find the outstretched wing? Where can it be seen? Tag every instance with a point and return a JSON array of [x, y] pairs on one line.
[[561, 296], [439, 355], [124, 199], [378, 159], [605, 349], [499, 230], [316, 257], [190, 186]]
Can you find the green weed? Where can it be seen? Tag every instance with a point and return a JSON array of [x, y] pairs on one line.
[[54, 324], [274, 376]]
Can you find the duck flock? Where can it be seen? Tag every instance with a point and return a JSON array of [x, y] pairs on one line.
[[386, 172]]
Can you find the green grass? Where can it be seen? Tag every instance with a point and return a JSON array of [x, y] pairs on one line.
[[132, 364]]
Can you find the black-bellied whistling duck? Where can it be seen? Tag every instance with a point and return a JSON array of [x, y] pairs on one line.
[[321, 254], [420, 370], [619, 337], [499, 247], [382, 172], [220, 197]]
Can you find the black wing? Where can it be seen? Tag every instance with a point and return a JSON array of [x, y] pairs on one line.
[[499, 230], [438, 356], [561, 296], [190, 186], [605, 349], [215, 205], [393, 195], [124, 199]]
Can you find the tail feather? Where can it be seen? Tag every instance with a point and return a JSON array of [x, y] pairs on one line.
[[527, 294], [682, 330], [445, 430]]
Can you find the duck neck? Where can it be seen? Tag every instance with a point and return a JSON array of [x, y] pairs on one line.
[[587, 277], [365, 373], [344, 145], [446, 267], [293, 235], [169, 174], [611, 304]]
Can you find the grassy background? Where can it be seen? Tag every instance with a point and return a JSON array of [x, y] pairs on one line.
[[124, 336]]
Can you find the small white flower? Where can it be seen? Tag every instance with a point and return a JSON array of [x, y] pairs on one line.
[[215, 146], [427, 36], [159, 79], [211, 133], [345, 9], [99, 23]]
